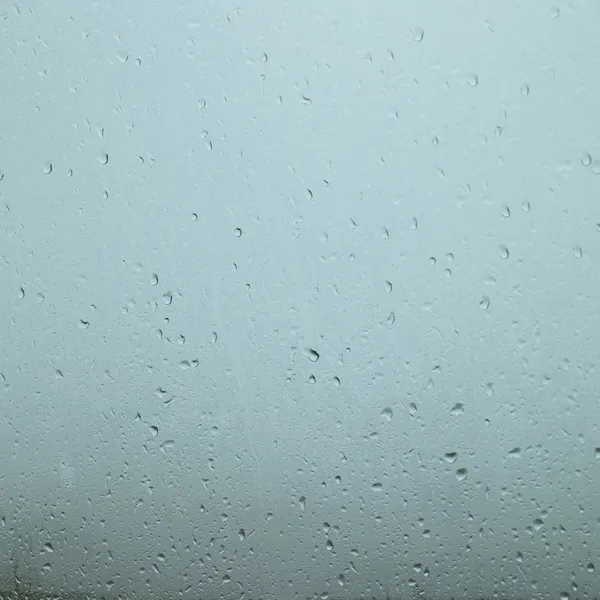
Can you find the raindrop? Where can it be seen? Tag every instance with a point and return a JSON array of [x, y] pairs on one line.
[[412, 408], [484, 302], [554, 14], [83, 324], [525, 90], [388, 286], [313, 355], [504, 252], [450, 457], [103, 158], [525, 206], [586, 159], [336, 381], [264, 57], [21, 293], [505, 212], [48, 168], [414, 224], [577, 252], [597, 453], [391, 318], [461, 474], [387, 413], [48, 547], [237, 232], [418, 34], [538, 524], [312, 379], [242, 535], [435, 141], [377, 487], [590, 567], [154, 279], [432, 261], [154, 430], [515, 452], [329, 545], [302, 502], [341, 580], [564, 596], [167, 298], [458, 409], [472, 79]]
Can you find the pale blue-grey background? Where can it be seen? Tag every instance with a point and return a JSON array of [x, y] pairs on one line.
[[196, 195]]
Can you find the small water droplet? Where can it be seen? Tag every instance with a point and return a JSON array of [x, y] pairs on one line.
[[103, 158], [577, 252], [504, 253], [48, 547], [435, 141], [153, 430], [461, 474], [525, 206], [21, 293], [412, 408], [388, 286], [83, 324], [391, 318], [458, 409], [590, 567], [515, 452], [48, 168], [418, 34], [241, 535], [168, 298], [154, 279], [387, 413], [377, 487], [414, 224], [264, 57], [484, 302], [538, 524], [237, 232], [302, 502], [472, 79], [341, 580], [336, 381], [525, 90], [329, 545], [505, 211], [312, 379], [313, 355], [554, 12], [586, 159], [432, 261], [450, 457]]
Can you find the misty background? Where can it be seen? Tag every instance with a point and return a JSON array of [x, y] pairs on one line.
[[300, 300]]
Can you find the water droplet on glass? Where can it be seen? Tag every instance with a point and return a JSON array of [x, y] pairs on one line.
[[237, 232], [484, 302], [336, 381], [329, 545], [103, 158], [387, 413], [432, 261], [388, 286], [391, 318], [586, 159], [418, 34], [154, 430], [83, 324], [450, 457], [48, 547], [21, 293], [525, 206], [564, 596], [154, 279], [414, 224], [590, 567], [312, 379], [538, 524], [554, 12], [435, 141], [377, 487], [504, 252], [313, 355], [241, 535], [525, 90], [458, 409], [302, 502], [412, 408], [168, 298], [505, 211], [341, 580], [577, 252], [48, 168], [264, 57], [472, 79], [461, 474]]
